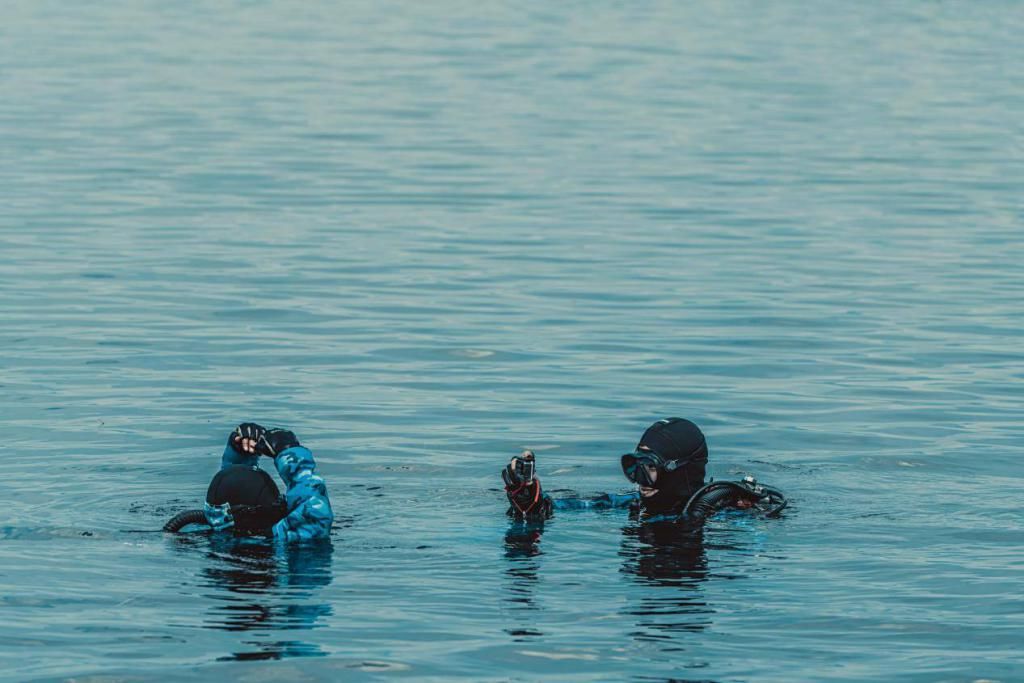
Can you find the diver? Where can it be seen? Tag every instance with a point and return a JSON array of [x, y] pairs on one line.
[[243, 497], [668, 468]]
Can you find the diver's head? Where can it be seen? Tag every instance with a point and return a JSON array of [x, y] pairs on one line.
[[667, 464], [245, 498]]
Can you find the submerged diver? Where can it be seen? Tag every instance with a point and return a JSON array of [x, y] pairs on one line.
[[244, 498], [667, 466]]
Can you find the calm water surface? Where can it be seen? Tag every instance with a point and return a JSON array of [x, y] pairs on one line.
[[427, 235]]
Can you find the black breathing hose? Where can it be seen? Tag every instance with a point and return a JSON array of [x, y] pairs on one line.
[[183, 519], [776, 498], [713, 497]]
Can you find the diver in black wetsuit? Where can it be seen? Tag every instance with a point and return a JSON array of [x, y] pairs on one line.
[[668, 467]]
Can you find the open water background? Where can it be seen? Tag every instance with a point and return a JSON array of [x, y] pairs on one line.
[[426, 235]]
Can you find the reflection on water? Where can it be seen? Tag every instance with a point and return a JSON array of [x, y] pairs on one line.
[[522, 550], [670, 557], [666, 556], [424, 237], [265, 588], [522, 540]]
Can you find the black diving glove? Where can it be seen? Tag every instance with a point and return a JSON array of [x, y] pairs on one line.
[[523, 487], [274, 441], [246, 437]]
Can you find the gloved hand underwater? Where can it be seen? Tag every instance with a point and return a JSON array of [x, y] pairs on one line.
[[273, 441], [523, 487], [246, 437]]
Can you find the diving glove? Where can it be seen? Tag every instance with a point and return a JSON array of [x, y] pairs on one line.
[[274, 441], [246, 437]]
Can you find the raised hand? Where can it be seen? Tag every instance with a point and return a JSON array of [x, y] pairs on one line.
[[273, 441], [246, 437], [522, 486], [520, 471]]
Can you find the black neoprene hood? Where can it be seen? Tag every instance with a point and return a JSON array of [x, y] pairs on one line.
[[242, 485], [676, 439], [683, 450]]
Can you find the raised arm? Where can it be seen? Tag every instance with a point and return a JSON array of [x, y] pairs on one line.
[[309, 509], [242, 444], [522, 488], [527, 499]]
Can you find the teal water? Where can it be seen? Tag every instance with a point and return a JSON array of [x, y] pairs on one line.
[[427, 235]]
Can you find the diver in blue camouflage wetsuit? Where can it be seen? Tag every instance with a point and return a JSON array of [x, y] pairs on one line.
[[668, 467], [244, 498]]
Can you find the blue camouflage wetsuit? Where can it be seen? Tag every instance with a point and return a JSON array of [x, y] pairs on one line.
[[604, 501], [543, 506], [309, 510]]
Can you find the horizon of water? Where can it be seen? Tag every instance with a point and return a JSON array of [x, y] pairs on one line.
[[426, 236]]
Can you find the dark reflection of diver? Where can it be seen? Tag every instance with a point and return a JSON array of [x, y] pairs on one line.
[[523, 552], [263, 588], [666, 554]]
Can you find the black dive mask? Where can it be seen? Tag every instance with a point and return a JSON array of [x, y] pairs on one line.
[[635, 464]]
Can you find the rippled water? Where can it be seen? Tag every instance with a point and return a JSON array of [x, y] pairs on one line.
[[426, 235]]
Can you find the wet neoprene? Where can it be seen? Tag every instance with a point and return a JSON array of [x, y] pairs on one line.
[[246, 430], [255, 500], [682, 449]]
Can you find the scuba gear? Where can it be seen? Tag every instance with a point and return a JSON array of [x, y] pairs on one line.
[[242, 485], [721, 494], [634, 466], [246, 432], [668, 465], [249, 519], [219, 516], [183, 519], [240, 496], [522, 486], [527, 500], [273, 441], [679, 451], [766, 494], [245, 498], [675, 442]]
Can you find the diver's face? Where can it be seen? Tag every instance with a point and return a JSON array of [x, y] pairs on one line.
[[652, 473]]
